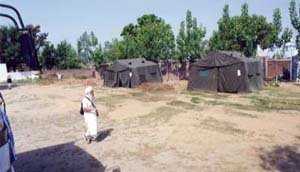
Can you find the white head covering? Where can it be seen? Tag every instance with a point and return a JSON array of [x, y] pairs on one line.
[[88, 89]]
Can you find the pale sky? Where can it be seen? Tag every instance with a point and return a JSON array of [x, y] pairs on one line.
[[68, 19]]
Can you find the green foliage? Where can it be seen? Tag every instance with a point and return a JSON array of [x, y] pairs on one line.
[[10, 51], [67, 56], [10, 47], [242, 33], [40, 38], [277, 24], [150, 38], [89, 49], [47, 58], [287, 35], [190, 44], [115, 50], [295, 22]]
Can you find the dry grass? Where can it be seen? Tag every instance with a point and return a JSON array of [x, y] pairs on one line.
[[156, 87], [221, 126], [160, 115], [185, 105]]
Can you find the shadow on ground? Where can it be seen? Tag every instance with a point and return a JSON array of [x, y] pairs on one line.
[[5, 87], [282, 158], [102, 135], [65, 157]]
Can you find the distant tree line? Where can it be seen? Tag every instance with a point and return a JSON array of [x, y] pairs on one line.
[[152, 38]]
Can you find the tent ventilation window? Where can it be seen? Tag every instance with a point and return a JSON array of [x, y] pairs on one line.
[[203, 73]]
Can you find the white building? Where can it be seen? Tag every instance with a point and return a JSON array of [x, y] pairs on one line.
[[286, 51]]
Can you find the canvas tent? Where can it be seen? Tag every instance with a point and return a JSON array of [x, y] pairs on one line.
[[131, 72], [226, 71]]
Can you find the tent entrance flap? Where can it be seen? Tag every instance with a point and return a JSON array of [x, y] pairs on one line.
[[124, 78], [230, 78]]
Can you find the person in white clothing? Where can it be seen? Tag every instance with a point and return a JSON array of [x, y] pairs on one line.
[[90, 115]]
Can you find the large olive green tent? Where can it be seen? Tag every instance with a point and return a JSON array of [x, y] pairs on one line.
[[226, 71], [132, 72]]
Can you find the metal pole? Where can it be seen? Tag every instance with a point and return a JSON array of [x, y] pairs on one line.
[[11, 18], [16, 11]]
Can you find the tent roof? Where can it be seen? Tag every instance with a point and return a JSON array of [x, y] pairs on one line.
[[120, 65], [222, 58], [133, 63]]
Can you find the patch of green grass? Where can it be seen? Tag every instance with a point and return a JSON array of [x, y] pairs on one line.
[[211, 95], [275, 92], [196, 100], [184, 105], [112, 98], [150, 97], [221, 126], [161, 114], [242, 114]]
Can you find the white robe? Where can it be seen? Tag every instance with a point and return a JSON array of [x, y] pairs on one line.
[[90, 118]]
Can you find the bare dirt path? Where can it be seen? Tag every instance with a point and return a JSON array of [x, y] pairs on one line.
[[155, 131]]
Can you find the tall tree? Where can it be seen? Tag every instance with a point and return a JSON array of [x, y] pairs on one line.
[[277, 21], [280, 39], [150, 38], [287, 35], [190, 39], [67, 56], [295, 22], [242, 33], [222, 40], [39, 37], [48, 57], [10, 47], [245, 10], [116, 49], [87, 47]]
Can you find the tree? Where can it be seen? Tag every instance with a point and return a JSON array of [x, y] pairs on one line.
[[295, 22], [190, 39], [242, 33], [150, 38], [114, 50], [88, 47], [245, 11], [220, 40], [38, 36], [277, 25], [48, 57], [287, 35], [10, 47], [66, 56]]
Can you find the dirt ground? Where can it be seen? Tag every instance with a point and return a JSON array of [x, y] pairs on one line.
[[169, 131]]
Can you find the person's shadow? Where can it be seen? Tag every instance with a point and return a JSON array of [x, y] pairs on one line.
[[102, 135], [282, 158], [64, 157]]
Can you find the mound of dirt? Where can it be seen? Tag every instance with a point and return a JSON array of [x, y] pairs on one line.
[[155, 87]]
